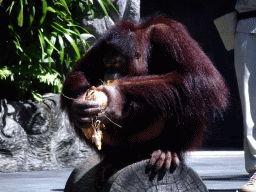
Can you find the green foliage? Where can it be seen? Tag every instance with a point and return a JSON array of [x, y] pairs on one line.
[[41, 41]]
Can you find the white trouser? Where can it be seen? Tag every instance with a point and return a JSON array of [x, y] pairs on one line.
[[245, 65]]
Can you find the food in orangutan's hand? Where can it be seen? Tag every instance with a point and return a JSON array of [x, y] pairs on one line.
[[98, 96], [94, 133]]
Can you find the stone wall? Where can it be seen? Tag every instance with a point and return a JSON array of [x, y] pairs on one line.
[[37, 136]]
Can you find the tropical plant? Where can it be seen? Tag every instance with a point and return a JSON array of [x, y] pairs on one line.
[[40, 40]]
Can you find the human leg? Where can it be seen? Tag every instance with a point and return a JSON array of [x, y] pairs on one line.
[[245, 65]]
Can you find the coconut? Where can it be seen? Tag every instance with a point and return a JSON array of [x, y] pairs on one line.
[[94, 133], [98, 96]]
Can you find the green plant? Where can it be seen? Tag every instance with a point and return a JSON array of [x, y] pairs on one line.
[[41, 41]]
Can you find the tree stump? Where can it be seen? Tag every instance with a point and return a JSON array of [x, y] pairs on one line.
[[135, 178]]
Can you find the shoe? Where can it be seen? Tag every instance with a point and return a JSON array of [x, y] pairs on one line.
[[250, 186]]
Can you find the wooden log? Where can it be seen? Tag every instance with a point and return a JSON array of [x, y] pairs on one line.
[[135, 177]]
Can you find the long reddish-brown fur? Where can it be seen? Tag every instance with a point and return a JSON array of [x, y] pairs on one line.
[[168, 93]]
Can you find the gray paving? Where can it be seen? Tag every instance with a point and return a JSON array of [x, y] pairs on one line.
[[220, 171]]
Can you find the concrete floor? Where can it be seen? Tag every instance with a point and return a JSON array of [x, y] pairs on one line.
[[220, 171]]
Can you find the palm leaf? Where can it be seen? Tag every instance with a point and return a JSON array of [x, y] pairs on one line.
[[64, 4], [74, 45], [44, 11], [101, 2], [20, 15], [112, 5], [42, 43], [62, 48]]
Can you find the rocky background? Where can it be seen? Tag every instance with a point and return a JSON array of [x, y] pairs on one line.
[[37, 136]]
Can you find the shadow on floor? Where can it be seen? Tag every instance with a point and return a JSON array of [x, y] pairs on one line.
[[220, 190], [226, 178]]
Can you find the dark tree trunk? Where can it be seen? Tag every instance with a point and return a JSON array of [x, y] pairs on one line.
[[135, 178]]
